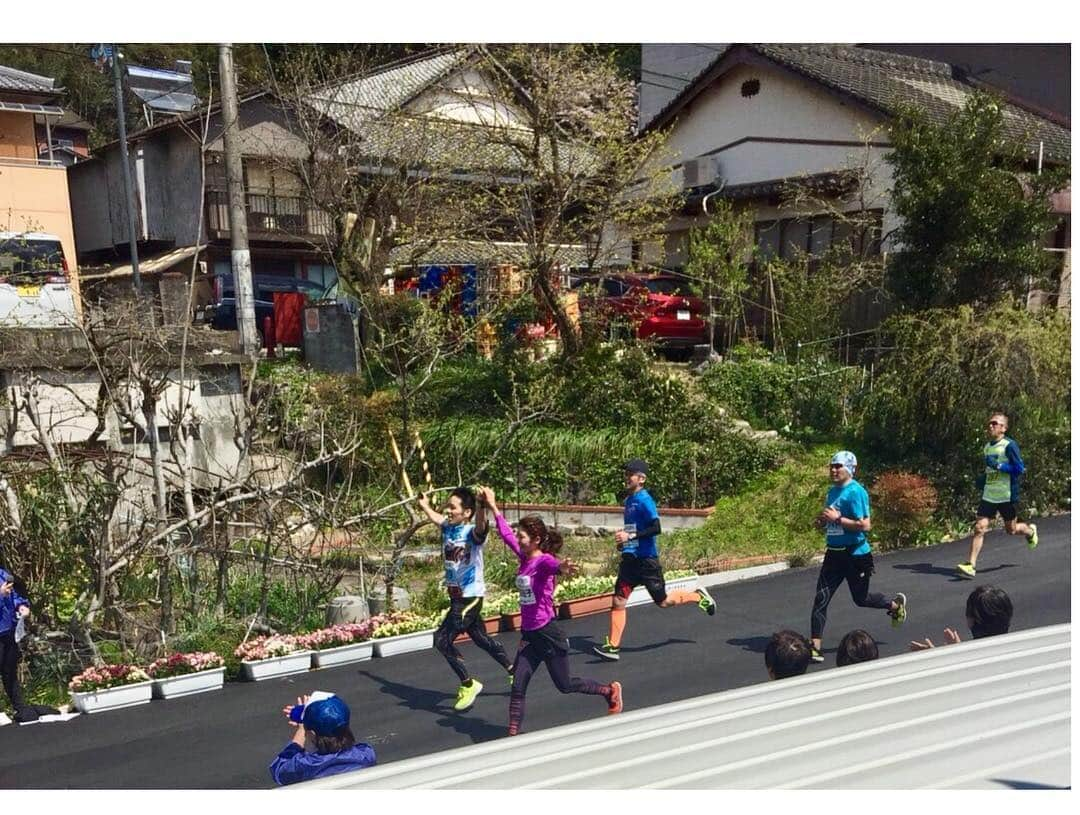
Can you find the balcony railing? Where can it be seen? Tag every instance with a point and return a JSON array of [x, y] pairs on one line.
[[30, 162], [269, 214]]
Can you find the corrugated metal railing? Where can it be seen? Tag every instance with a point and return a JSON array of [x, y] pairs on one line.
[[992, 713]]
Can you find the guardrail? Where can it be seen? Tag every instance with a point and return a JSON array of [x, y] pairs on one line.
[[990, 713]]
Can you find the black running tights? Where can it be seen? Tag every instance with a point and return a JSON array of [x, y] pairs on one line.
[[837, 567]]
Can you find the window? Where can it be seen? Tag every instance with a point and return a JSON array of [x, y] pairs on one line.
[[796, 238], [788, 238], [665, 285], [767, 238], [614, 288]]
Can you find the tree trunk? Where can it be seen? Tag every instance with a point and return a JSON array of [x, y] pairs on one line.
[[571, 338], [149, 411]]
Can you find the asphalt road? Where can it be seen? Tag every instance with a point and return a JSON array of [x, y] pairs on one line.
[[402, 705]]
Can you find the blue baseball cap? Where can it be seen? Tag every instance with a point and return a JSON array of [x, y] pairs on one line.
[[326, 716], [846, 459]]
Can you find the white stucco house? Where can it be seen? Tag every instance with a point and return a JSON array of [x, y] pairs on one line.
[[757, 117]]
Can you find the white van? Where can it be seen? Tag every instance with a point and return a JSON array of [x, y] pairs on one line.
[[35, 291]]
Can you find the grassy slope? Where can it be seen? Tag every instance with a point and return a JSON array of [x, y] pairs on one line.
[[771, 515]]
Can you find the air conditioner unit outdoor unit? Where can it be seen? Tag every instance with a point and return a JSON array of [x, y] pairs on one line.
[[690, 173], [700, 171]]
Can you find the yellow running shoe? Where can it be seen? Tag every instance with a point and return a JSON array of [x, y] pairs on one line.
[[1033, 538], [466, 695], [965, 569]]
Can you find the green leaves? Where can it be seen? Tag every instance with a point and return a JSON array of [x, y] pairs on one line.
[[974, 214]]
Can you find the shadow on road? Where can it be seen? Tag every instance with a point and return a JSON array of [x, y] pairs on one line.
[[755, 645], [584, 645], [931, 569], [1027, 785], [439, 702]]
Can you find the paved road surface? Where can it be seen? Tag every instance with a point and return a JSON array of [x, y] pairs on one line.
[[402, 705]]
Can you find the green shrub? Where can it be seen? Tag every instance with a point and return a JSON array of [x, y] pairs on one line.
[[771, 393], [688, 465], [297, 604], [950, 369]]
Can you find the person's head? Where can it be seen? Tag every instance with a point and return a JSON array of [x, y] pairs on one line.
[[326, 726], [989, 611], [460, 506], [533, 534], [996, 425], [787, 654], [856, 646], [842, 466], [635, 471]]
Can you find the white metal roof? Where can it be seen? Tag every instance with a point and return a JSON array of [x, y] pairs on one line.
[[992, 713]]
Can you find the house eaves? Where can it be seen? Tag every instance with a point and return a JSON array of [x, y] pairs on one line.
[[16, 81], [880, 82]]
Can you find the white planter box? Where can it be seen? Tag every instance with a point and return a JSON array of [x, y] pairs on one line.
[[639, 597], [404, 643], [294, 663], [175, 686], [112, 698], [342, 655]]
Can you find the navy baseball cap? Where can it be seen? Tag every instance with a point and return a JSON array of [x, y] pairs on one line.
[[636, 465], [326, 716]]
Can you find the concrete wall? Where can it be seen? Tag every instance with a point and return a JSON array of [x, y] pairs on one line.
[[600, 519], [68, 393]]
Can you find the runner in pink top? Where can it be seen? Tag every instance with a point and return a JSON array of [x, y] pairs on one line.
[[541, 638]]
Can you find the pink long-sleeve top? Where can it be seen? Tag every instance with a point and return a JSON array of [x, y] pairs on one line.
[[535, 580]]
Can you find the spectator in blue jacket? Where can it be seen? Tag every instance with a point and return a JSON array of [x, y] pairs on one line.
[[1000, 491], [13, 608], [322, 745]]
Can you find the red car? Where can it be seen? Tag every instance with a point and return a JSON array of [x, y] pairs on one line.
[[655, 307]]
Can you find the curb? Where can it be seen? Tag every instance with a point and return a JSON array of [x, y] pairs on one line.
[[737, 575]]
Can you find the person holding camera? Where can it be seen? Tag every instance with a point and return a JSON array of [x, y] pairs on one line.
[[322, 744]]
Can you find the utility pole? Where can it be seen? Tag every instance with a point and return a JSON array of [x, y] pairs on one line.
[[129, 192], [234, 170]]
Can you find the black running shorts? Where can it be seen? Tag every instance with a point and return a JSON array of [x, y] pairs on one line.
[[645, 571], [988, 510]]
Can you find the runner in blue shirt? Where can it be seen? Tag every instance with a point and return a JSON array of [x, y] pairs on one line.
[[845, 521], [640, 564]]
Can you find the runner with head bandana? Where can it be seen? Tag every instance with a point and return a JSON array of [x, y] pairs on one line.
[[845, 521]]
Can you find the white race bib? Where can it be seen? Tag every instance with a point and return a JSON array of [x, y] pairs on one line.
[[524, 587], [833, 528]]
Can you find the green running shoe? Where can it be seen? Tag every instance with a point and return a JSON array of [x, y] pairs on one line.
[[607, 650], [965, 569], [706, 603], [900, 613], [1033, 538], [466, 695]]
